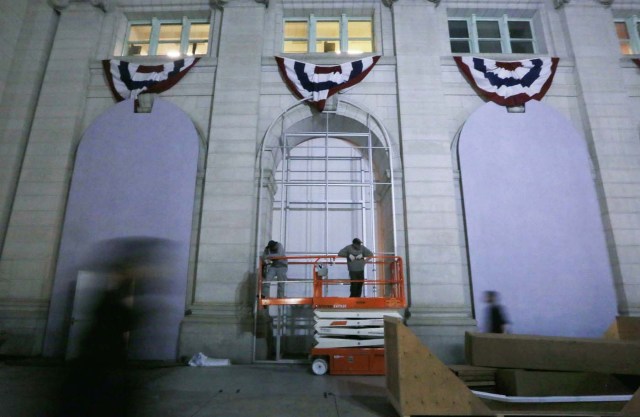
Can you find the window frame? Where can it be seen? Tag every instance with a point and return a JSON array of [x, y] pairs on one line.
[[312, 36], [633, 29], [505, 36], [154, 40]]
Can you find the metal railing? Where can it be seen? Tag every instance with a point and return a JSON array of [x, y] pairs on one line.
[[323, 282]]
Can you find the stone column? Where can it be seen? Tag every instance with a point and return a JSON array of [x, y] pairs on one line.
[[29, 254], [221, 322], [438, 285], [613, 136]]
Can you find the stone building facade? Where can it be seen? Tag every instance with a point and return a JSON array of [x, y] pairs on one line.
[[52, 88]]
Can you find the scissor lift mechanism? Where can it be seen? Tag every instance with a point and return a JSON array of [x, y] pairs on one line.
[[349, 332]]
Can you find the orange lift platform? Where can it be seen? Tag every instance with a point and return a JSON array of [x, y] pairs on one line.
[[348, 331]]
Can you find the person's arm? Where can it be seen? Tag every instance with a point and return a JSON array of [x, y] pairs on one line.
[[344, 252], [265, 256]]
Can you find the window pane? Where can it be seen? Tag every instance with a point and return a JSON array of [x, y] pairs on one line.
[[199, 31], [360, 46], [520, 30], [522, 47], [139, 33], [328, 29], [170, 32], [169, 49], [360, 29], [296, 29], [458, 29], [138, 49], [488, 29], [490, 46], [625, 48], [328, 46], [198, 48], [621, 30], [460, 46], [293, 47]]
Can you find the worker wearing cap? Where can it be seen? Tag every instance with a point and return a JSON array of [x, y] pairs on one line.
[[356, 255], [275, 268]]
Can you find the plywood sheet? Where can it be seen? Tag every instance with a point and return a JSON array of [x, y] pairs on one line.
[[553, 353], [418, 383]]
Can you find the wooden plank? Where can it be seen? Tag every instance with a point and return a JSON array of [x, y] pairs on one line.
[[624, 328], [553, 353], [632, 408], [520, 382], [418, 383]]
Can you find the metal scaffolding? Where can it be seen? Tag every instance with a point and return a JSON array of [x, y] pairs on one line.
[[322, 182]]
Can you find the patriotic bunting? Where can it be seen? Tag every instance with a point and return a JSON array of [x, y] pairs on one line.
[[317, 83], [510, 83], [128, 80]]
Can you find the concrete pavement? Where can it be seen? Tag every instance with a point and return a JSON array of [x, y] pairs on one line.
[[31, 388]]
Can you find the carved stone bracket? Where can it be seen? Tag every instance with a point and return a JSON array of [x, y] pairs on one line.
[[559, 3], [389, 3], [218, 4], [104, 5]]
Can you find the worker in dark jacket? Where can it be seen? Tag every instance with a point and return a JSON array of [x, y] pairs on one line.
[[356, 255], [274, 268]]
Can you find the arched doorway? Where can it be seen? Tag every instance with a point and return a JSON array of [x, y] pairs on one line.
[[325, 178]]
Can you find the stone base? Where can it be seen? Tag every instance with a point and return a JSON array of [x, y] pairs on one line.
[[215, 332], [443, 334], [22, 326]]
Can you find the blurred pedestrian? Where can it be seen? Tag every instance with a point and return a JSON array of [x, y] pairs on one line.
[[496, 318]]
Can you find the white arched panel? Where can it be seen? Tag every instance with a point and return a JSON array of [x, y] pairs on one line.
[[132, 189], [534, 225]]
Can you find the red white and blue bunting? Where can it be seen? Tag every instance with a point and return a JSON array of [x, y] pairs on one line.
[[128, 80], [316, 83], [509, 83]]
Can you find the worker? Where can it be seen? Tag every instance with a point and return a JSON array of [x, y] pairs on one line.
[[356, 255], [275, 266]]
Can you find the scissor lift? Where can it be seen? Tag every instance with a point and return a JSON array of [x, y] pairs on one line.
[[349, 331]]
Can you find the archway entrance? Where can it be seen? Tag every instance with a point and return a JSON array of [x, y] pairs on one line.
[[325, 179]]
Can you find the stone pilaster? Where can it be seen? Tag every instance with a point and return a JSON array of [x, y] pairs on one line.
[[224, 287], [31, 24], [438, 287], [613, 135], [31, 244]]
